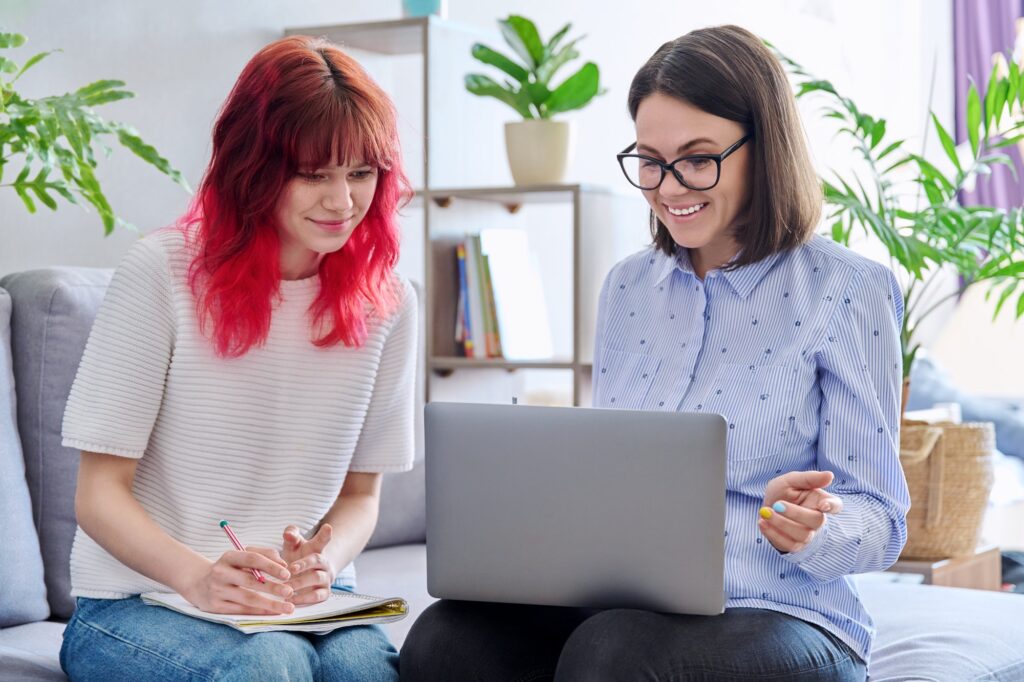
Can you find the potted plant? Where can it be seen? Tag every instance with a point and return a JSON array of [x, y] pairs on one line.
[[53, 138], [912, 205], [538, 147]]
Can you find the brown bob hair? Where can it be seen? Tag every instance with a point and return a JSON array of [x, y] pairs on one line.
[[728, 72]]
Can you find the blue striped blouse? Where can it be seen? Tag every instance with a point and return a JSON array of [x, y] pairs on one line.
[[800, 353]]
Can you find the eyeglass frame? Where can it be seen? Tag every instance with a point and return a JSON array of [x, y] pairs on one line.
[[671, 167]]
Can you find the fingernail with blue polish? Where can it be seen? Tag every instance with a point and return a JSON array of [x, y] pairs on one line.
[[779, 507]]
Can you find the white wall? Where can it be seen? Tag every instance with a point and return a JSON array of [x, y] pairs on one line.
[[181, 58]]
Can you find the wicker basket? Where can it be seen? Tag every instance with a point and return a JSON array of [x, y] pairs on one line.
[[949, 473]]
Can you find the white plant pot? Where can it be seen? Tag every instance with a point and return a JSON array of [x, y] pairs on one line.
[[538, 150]]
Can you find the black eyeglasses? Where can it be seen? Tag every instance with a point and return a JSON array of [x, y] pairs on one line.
[[698, 171]]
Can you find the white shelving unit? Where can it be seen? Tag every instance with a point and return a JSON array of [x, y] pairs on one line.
[[453, 146]]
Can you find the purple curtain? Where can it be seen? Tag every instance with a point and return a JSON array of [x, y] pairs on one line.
[[980, 29]]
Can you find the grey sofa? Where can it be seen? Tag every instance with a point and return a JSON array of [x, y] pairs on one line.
[[924, 633]]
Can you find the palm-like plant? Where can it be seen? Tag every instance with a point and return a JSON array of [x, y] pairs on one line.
[[53, 138], [913, 207], [528, 89]]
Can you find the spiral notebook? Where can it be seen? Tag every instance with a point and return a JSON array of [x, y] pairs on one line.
[[341, 609]]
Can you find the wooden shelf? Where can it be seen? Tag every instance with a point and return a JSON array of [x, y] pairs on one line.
[[979, 571], [534, 194]]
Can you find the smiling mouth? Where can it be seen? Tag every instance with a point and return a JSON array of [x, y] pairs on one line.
[[332, 224], [686, 211]]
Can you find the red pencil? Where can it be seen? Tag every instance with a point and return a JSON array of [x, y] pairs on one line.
[[238, 545]]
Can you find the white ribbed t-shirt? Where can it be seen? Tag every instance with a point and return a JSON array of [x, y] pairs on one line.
[[264, 440]]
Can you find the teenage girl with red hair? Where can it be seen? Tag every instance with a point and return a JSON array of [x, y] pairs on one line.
[[253, 363]]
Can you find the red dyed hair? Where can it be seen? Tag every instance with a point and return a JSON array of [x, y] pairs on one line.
[[299, 103]]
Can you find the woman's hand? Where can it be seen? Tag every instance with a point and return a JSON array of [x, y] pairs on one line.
[[795, 507], [311, 569], [228, 585]]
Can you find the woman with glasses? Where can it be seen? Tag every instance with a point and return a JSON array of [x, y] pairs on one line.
[[789, 336]]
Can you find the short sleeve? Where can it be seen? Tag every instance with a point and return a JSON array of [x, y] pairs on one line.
[[387, 440], [119, 386]]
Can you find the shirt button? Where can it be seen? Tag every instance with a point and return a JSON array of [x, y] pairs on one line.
[[661, 403]]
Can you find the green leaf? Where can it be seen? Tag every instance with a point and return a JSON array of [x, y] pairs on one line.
[[877, 133], [991, 88], [7, 65], [947, 142], [556, 39], [890, 149], [44, 197], [576, 90], [35, 59], [485, 86], [522, 36], [538, 93], [547, 70], [1002, 94], [89, 94], [11, 40], [1007, 293], [494, 58], [130, 139], [25, 198], [973, 118], [1020, 306]]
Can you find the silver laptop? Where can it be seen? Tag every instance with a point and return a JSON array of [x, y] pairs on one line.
[[576, 507]]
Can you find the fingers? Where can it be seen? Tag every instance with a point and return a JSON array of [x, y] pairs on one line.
[[823, 501], [808, 480], [292, 538], [801, 515], [241, 600], [779, 540], [271, 554], [323, 536], [235, 583], [311, 562], [312, 595], [797, 531], [247, 560]]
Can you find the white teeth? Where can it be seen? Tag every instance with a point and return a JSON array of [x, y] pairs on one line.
[[686, 211]]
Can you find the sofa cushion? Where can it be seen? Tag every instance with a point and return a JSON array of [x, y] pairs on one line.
[[22, 589], [31, 652], [396, 572], [926, 632], [53, 310]]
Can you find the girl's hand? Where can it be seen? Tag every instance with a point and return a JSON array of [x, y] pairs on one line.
[[228, 586], [795, 507], [311, 569]]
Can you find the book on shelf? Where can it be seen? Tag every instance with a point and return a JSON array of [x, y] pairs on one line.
[[517, 292], [476, 344]]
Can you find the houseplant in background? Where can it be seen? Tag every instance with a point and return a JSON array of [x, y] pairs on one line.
[[912, 206], [538, 147], [52, 140]]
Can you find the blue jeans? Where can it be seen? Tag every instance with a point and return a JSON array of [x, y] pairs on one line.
[[454, 641], [124, 639]]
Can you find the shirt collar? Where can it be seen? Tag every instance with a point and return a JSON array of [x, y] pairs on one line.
[[743, 279]]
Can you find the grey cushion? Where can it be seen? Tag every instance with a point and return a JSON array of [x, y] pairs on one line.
[[944, 633], [396, 572], [31, 652], [53, 314], [22, 590]]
